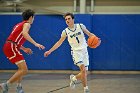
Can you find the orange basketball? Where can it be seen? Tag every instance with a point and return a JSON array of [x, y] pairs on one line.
[[93, 41]]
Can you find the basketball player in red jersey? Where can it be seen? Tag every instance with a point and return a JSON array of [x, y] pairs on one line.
[[12, 48]]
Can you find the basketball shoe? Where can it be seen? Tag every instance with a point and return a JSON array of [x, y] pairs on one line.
[[72, 82], [86, 91], [19, 89], [4, 87]]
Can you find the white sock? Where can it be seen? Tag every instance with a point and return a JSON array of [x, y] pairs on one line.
[[86, 87], [74, 78]]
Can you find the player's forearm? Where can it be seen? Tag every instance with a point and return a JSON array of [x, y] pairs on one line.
[[91, 34], [55, 46], [88, 32], [27, 37], [22, 47]]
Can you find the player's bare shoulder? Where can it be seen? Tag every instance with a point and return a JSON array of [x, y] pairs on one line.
[[27, 25]]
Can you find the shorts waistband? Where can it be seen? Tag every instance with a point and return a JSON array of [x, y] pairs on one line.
[[11, 41]]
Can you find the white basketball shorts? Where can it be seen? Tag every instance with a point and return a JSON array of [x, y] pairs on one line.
[[80, 57]]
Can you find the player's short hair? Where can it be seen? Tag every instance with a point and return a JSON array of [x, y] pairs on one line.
[[69, 14], [27, 14]]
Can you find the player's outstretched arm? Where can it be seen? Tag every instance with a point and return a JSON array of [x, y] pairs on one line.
[[25, 32], [39, 46], [56, 45]]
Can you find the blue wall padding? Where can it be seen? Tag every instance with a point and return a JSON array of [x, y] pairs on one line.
[[119, 50]]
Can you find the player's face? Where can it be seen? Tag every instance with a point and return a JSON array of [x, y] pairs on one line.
[[32, 19], [69, 21]]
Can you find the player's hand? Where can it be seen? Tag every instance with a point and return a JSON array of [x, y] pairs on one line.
[[39, 46], [28, 50], [47, 53]]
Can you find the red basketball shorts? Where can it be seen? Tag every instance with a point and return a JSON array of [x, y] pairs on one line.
[[12, 52]]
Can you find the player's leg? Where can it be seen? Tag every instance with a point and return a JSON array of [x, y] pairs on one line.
[[22, 70], [19, 81], [82, 75], [73, 79], [78, 76], [81, 59], [19, 86], [86, 63], [13, 54], [77, 58]]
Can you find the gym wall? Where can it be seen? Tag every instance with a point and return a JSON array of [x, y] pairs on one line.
[[119, 50]]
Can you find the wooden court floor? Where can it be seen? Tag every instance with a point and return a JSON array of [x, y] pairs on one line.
[[59, 83]]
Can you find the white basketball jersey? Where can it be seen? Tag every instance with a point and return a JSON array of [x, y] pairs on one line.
[[76, 37]]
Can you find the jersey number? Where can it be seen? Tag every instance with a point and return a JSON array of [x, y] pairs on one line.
[[77, 40]]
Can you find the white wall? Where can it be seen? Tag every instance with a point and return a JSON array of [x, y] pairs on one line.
[[101, 6]]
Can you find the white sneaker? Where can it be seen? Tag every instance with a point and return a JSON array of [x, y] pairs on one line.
[[72, 82], [86, 91], [4, 87], [19, 89]]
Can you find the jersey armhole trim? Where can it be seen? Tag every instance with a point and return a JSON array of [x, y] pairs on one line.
[[80, 27], [65, 32]]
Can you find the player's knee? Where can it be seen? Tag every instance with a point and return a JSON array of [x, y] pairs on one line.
[[24, 71], [83, 71], [87, 73]]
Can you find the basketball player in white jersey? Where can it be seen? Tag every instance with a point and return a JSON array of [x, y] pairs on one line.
[[75, 35]]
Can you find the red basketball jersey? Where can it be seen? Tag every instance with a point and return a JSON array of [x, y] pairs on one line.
[[16, 35]]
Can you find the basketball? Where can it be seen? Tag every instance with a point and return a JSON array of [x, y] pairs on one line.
[[93, 41]]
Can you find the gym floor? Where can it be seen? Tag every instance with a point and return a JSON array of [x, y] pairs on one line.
[[59, 83]]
